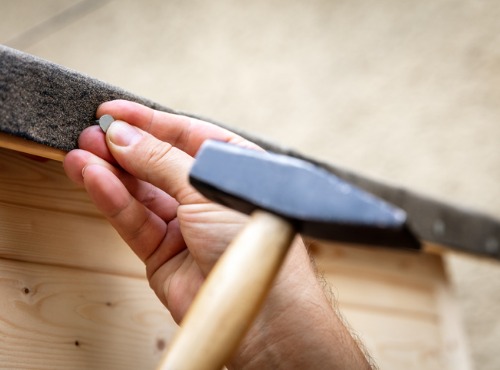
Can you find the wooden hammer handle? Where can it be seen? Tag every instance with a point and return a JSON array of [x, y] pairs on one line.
[[230, 298]]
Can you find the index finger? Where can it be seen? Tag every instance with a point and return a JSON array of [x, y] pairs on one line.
[[183, 132]]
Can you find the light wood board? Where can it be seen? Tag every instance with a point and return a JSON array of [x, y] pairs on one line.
[[74, 295], [399, 303], [30, 147], [60, 318]]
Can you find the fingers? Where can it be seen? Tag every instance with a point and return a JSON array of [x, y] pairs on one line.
[[183, 132], [93, 139], [153, 198], [76, 160], [153, 161], [166, 166], [140, 228]]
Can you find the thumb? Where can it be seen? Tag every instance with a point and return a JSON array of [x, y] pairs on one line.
[[151, 160]]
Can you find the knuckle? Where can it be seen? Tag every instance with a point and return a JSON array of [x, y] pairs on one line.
[[137, 233], [155, 155]]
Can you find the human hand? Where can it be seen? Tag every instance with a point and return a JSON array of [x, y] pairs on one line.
[[137, 176]]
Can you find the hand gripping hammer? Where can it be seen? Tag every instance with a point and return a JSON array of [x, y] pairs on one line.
[[283, 195]]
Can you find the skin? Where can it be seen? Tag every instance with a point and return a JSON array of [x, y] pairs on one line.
[[137, 176]]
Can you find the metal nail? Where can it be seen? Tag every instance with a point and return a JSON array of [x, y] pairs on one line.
[[105, 121]]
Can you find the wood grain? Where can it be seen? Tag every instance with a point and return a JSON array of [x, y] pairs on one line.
[[62, 239], [45, 218], [61, 264], [30, 147], [42, 184], [58, 318], [399, 303]]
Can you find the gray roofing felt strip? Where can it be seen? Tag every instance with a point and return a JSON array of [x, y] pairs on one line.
[[50, 104]]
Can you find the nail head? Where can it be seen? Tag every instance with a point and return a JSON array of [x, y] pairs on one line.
[[106, 121]]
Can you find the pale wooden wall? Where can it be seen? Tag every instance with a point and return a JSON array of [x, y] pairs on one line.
[[74, 296], [399, 303]]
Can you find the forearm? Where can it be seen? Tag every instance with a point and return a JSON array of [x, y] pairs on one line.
[[298, 327]]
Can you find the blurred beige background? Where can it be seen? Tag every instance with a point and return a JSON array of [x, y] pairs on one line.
[[405, 91]]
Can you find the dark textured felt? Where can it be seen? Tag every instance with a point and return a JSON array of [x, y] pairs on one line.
[[51, 105]]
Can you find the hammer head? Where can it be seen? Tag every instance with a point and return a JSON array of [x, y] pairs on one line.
[[316, 202]]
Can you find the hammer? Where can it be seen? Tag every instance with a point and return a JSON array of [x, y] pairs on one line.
[[283, 195]]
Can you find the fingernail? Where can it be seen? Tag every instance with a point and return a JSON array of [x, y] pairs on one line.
[[122, 134], [83, 171]]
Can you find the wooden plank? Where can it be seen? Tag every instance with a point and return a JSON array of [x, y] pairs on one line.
[[397, 341], [399, 303], [64, 239], [413, 266], [383, 293], [41, 184], [30, 147], [58, 318], [45, 218]]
